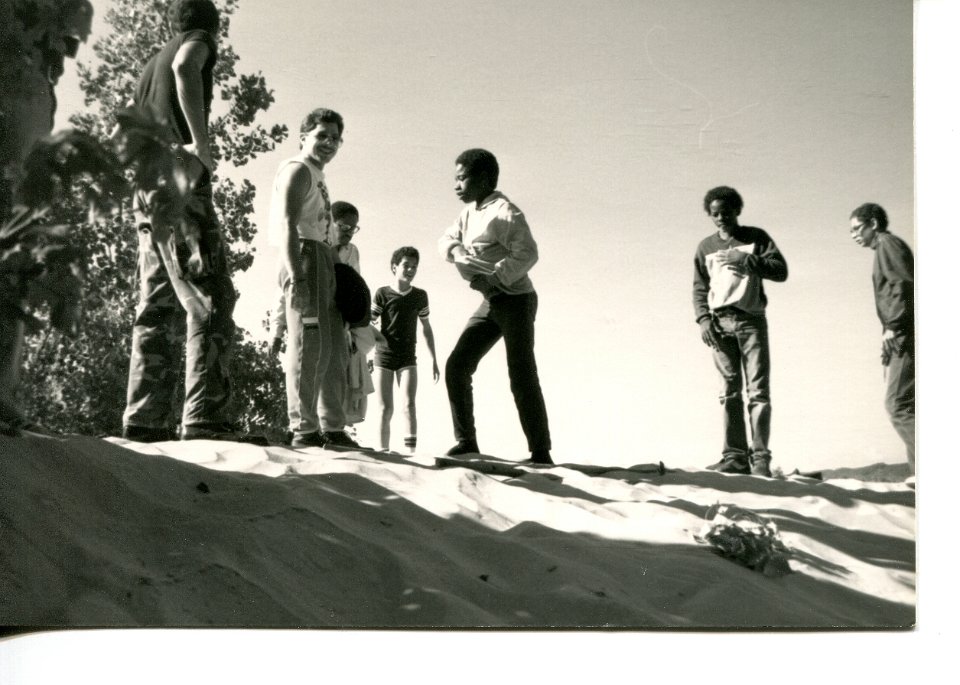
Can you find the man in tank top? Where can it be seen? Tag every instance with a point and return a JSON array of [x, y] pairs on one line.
[[301, 226]]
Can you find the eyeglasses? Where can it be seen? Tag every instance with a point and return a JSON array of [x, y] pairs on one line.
[[347, 228], [856, 230], [336, 141]]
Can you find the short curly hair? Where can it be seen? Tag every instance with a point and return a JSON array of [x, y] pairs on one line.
[[340, 209], [869, 211], [725, 193], [480, 162], [402, 252], [192, 15], [320, 116]]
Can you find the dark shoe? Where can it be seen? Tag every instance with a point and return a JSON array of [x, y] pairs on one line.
[[731, 465], [220, 431], [760, 466], [540, 457], [463, 447], [313, 439], [145, 434], [339, 441]]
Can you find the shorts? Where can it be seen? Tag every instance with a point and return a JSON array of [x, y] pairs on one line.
[[392, 361]]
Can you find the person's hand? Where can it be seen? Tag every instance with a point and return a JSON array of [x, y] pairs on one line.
[[474, 265], [709, 333], [485, 285], [299, 295], [890, 346], [436, 372], [275, 346], [203, 155], [733, 259]]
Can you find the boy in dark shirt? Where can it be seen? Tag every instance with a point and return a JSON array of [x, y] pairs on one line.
[[729, 303], [176, 88], [397, 307]]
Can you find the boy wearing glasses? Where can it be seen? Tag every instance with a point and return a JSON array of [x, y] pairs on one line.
[[893, 293], [302, 226], [730, 306]]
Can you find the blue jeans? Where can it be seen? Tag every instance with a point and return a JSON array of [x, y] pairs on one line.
[[899, 400], [744, 360], [509, 317]]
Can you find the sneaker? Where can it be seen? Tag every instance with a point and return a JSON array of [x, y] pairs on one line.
[[463, 447], [220, 431], [760, 466], [147, 434], [312, 439], [541, 456], [731, 465], [339, 440]]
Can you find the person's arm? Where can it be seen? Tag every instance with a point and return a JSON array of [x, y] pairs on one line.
[[514, 234], [428, 336], [895, 301], [278, 322], [187, 72], [450, 243], [701, 289], [293, 184], [768, 263]]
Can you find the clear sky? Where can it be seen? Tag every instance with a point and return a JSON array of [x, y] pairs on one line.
[[610, 120]]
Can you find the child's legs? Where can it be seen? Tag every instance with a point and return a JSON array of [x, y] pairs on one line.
[[407, 379], [383, 384]]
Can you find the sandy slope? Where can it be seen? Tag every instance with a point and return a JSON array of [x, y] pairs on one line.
[[206, 533]]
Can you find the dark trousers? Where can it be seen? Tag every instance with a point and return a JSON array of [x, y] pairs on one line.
[[510, 317], [171, 302]]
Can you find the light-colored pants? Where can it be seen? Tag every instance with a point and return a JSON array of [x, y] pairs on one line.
[[317, 354], [900, 394]]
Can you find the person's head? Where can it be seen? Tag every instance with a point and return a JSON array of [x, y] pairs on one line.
[[865, 222], [404, 263], [723, 205], [321, 135], [191, 15], [477, 174], [347, 220]]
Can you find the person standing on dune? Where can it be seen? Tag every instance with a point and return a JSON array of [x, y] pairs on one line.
[[893, 293], [729, 268], [492, 247]]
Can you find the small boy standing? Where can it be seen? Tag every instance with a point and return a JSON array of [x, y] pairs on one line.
[[728, 299], [398, 306]]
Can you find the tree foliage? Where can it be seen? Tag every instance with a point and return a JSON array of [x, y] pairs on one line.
[[79, 384]]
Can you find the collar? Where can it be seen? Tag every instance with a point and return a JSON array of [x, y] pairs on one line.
[[490, 199]]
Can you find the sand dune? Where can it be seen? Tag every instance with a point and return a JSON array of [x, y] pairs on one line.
[[107, 533]]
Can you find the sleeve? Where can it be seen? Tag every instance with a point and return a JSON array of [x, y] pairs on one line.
[[423, 310], [451, 238], [701, 286], [768, 263], [376, 307], [895, 301], [514, 234]]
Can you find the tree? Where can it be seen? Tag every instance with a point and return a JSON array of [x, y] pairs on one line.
[[79, 385]]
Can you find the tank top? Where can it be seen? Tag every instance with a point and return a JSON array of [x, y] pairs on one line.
[[316, 222], [157, 88]]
